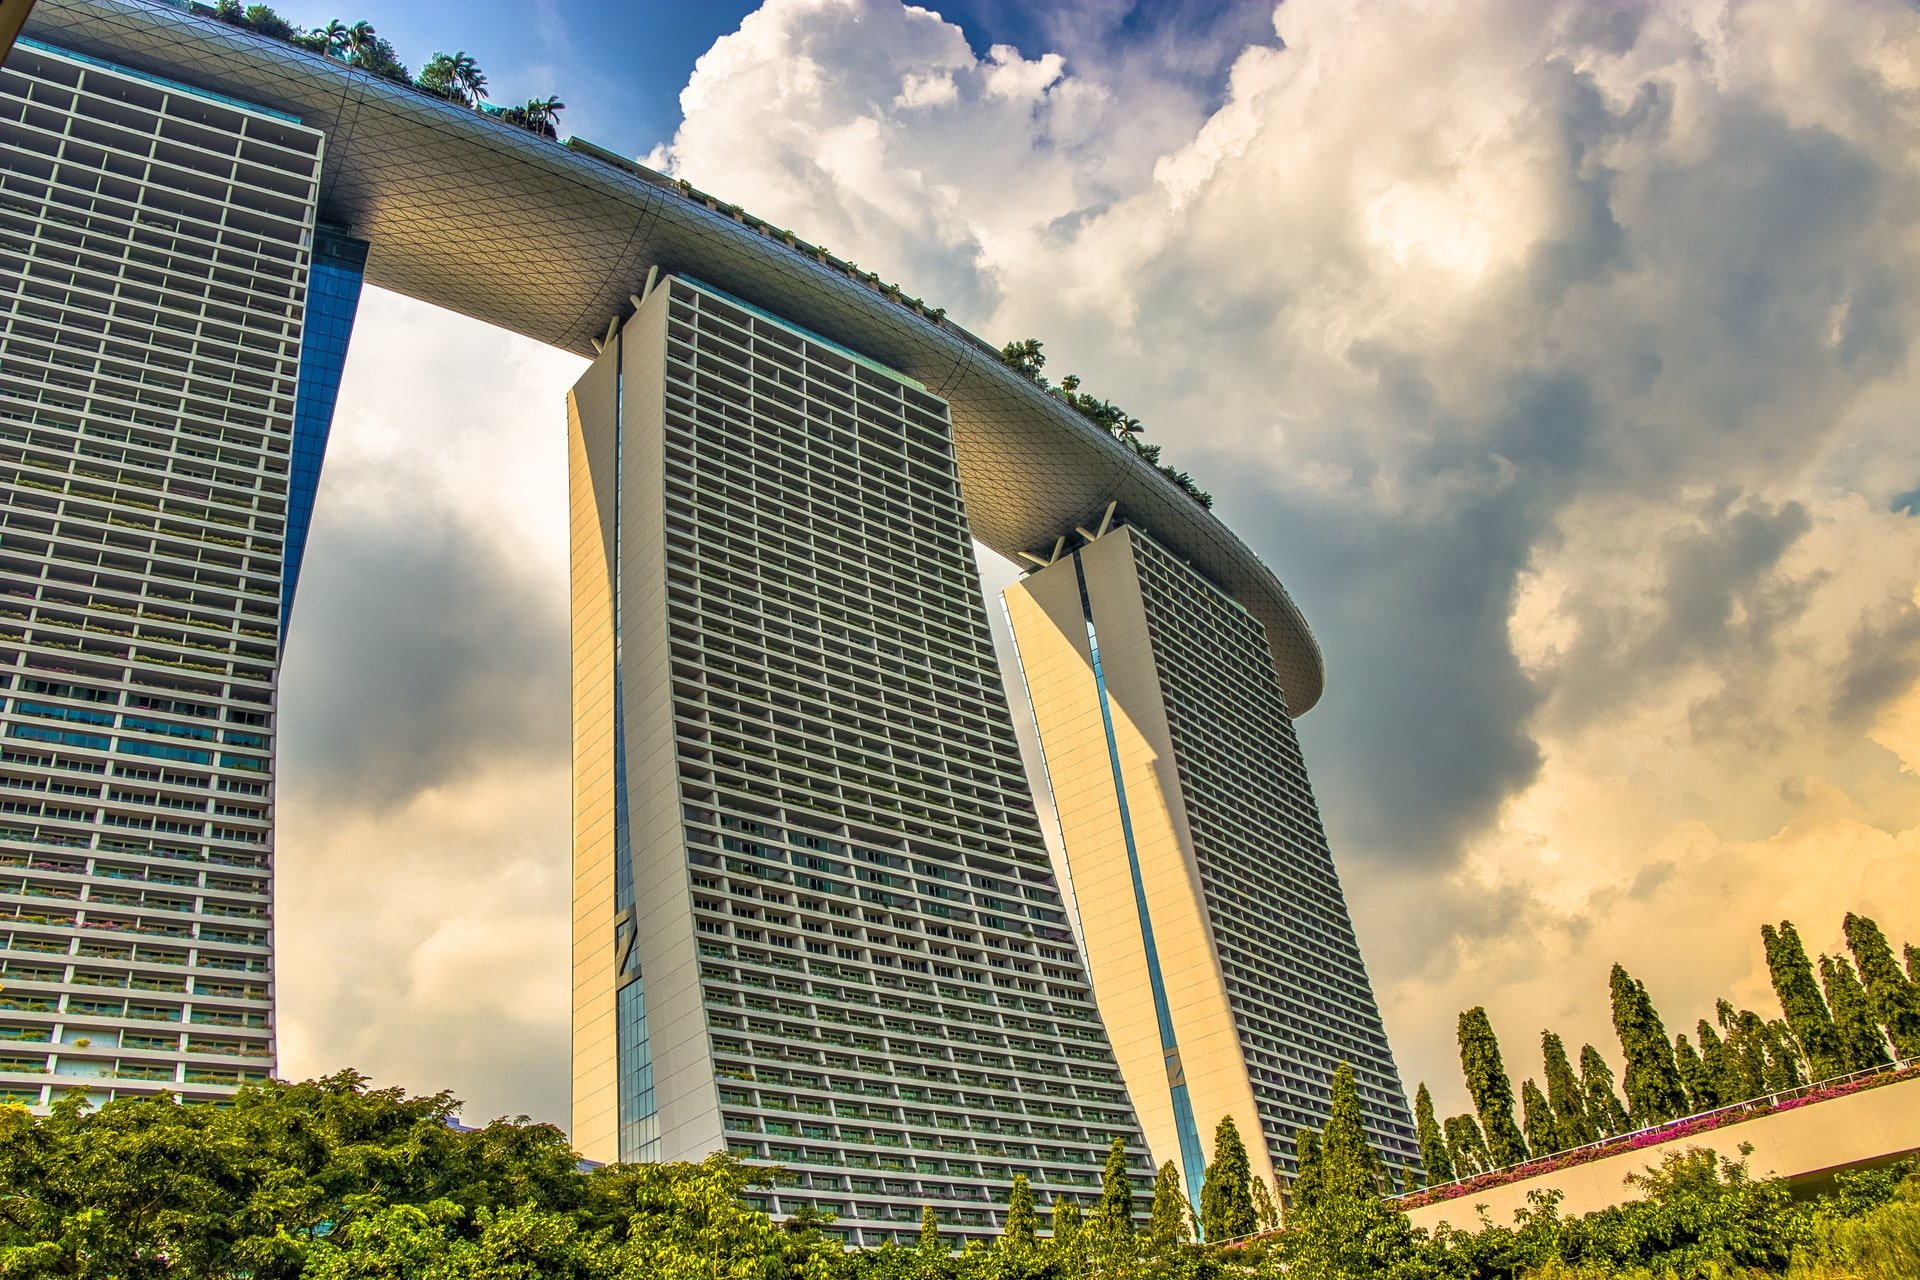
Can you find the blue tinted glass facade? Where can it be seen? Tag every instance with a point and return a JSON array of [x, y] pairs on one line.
[[333, 295], [636, 1114]]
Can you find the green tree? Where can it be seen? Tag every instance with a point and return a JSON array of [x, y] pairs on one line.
[[1572, 1126], [1786, 1057], [1266, 1209], [1069, 1244], [1912, 954], [1226, 1196], [1703, 1094], [1801, 1002], [1306, 1178], [1167, 1220], [1344, 1232], [1895, 998], [1114, 1211], [454, 76], [1652, 1082], [1862, 1046], [1489, 1087], [332, 38], [1467, 1147], [263, 20], [377, 56], [1433, 1144], [1537, 1119], [1348, 1164], [1603, 1104], [1717, 1063], [1026, 359], [1023, 1224]]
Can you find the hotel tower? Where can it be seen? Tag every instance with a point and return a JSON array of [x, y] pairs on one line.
[[815, 921], [1215, 929], [172, 325]]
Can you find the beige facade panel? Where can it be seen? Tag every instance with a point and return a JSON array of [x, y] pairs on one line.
[[590, 516], [1263, 986], [1050, 633]]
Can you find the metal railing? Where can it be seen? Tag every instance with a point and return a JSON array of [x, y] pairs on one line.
[[1666, 1130]]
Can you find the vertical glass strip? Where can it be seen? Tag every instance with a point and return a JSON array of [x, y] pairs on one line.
[[636, 1114], [1193, 1162], [333, 297]]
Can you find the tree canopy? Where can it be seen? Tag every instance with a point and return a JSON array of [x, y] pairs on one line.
[[333, 1180]]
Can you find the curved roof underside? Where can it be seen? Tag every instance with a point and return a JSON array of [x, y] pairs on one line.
[[485, 219]]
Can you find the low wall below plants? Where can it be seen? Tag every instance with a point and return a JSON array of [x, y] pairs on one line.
[[1800, 1144]]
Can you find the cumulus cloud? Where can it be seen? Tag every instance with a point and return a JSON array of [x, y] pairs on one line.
[[422, 872], [1560, 358], [1548, 351]]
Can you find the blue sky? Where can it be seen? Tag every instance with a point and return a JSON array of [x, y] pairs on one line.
[[621, 66]]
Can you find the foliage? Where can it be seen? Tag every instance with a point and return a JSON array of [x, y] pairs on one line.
[[1603, 1104], [1306, 1178], [1266, 1206], [1703, 1091], [1489, 1087], [1114, 1210], [1894, 997], [1879, 1239], [1572, 1126], [1434, 1157], [1467, 1147], [1652, 1082], [1344, 1231], [1537, 1120], [1801, 1001], [1025, 358], [454, 76], [1167, 1227], [331, 1180], [1023, 1224], [1862, 1046], [1226, 1197]]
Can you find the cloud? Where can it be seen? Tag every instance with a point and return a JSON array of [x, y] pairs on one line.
[[421, 850], [1552, 356], [1559, 357]]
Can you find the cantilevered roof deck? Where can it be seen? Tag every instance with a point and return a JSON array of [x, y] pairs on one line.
[[480, 217]]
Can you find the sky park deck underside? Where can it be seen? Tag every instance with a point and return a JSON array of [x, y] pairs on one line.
[[551, 241]]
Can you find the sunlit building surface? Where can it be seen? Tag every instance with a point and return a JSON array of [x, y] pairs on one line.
[[1215, 928], [165, 387], [816, 923]]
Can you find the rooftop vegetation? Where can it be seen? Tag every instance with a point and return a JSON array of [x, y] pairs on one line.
[[1855, 1027], [1026, 359], [456, 77]]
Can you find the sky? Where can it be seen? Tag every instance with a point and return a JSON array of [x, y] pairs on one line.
[[1560, 358]]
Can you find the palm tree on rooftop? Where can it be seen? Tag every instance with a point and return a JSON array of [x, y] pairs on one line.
[[333, 36], [358, 41], [543, 114], [468, 80], [454, 76]]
